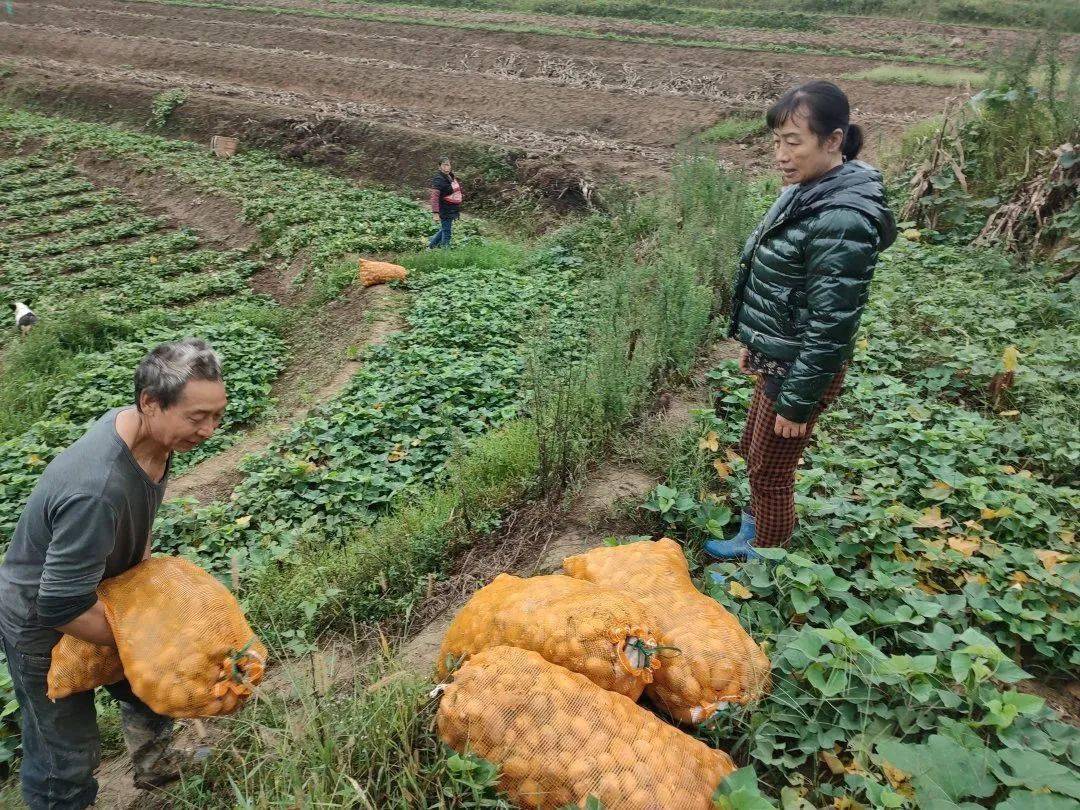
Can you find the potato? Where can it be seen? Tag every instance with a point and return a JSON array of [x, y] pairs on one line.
[[718, 661], [567, 621]]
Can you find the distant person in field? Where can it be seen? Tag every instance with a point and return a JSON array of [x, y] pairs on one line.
[[445, 203], [90, 516], [800, 290]]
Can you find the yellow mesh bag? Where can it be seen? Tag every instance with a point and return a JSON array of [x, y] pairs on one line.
[[372, 272], [716, 662], [186, 648], [596, 631], [558, 738], [81, 664]]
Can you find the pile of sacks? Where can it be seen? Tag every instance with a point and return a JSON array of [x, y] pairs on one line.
[[547, 671], [182, 642]]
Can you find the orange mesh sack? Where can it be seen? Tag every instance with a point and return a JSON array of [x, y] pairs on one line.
[[372, 272], [78, 666], [186, 648], [600, 633], [714, 661], [558, 738]]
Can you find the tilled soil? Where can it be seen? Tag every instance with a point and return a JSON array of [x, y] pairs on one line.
[[592, 101]]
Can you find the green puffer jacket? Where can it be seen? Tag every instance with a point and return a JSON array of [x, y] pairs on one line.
[[804, 278]]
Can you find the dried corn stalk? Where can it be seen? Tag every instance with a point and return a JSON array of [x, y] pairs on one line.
[[1019, 223]]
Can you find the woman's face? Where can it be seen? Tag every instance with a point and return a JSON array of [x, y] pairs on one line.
[[801, 155], [444, 167]]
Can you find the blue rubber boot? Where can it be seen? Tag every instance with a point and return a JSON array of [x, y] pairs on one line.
[[738, 547]]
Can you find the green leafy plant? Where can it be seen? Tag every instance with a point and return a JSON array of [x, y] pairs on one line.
[[163, 105]]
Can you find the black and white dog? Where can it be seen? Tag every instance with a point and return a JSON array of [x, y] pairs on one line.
[[24, 317]]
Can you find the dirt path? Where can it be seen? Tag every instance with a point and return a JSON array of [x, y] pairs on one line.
[[321, 347], [365, 318], [597, 511]]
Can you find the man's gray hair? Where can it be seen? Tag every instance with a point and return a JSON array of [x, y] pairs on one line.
[[164, 372]]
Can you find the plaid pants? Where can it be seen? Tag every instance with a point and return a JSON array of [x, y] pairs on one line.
[[771, 461]]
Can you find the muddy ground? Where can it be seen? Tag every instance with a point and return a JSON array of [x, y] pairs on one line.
[[606, 106]]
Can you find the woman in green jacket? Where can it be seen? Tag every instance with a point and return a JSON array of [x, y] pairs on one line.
[[802, 283]]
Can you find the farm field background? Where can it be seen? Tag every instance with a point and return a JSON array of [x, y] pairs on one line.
[[608, 92], [549, 384]]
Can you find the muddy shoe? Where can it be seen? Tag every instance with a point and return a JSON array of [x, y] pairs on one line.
[[169, 767]]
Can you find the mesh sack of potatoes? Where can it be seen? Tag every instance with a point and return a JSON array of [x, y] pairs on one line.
[[596, 631], [184, 643], [372, 272], [713, 661], [82, 664], [558, 738]]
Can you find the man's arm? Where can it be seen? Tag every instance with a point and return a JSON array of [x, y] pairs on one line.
[[91, 626], [83, 535]]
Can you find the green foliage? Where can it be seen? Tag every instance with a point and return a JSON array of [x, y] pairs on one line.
[[366, 744], [922, 326], [379, 572], [35, 368], [984, 151], [163, 105], [9, 708], [452, 376], [338, 277], [733, 129], [934, 560], [295, 210]]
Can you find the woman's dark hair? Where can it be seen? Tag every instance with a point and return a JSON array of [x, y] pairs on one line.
[[443, 160], [827, 110]]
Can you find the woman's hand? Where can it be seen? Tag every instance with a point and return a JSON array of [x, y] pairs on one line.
[[744, 361], [788, 429]]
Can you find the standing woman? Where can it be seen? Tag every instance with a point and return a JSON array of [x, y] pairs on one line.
[[445, 203], [802, 284]]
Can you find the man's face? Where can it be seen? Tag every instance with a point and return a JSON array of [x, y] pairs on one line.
[[191, 420]]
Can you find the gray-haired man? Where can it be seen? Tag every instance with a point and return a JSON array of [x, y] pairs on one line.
[[90, 517]]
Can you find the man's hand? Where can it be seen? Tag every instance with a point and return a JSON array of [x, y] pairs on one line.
[[436, 216], [744, 361], [91, 626], [788, 429]]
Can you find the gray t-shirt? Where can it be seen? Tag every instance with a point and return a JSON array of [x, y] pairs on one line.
[[88, 518]]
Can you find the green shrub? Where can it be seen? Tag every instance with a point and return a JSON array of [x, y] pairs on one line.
[[733, 129], [163, 105], [36, 367]]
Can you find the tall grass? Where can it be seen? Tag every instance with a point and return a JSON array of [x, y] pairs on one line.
[[924, 76], [662, 274], [365, 743], [734, 128], [34, 367]]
